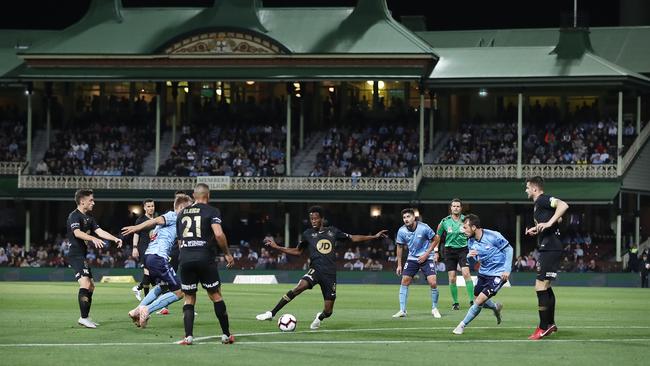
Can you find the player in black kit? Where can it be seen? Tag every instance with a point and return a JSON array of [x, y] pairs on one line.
[[321, 241], [196, 226], [80, 226], [140, 243], [547, 213]]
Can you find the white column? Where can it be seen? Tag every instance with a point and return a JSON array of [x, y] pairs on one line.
[[302, 123], [287, 159], [287, 240], [28, 232], [638, 115], [158, 106], [518, 237], [637, 221], [619, 157], [28, 156], [48, 121], [520, 125], [618, 237], [432, 110], [421, 125]]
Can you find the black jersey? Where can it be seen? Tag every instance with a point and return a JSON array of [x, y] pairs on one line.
[[85, 223], [194, 230], [322, 245], [542, 213], [144, 235]]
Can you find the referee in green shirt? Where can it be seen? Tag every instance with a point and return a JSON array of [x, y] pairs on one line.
[[455, 250]]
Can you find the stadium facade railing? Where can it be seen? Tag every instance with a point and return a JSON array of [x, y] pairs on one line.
[[549, 171], [11, 167]]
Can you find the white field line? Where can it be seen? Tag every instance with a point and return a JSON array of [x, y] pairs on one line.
[[457, 340]]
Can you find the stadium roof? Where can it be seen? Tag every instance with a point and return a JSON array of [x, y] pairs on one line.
[[624, 46], [514, 66]]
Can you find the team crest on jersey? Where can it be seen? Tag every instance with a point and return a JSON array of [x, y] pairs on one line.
[[450, 229], [330, 233], [324, 246], [313, 235]]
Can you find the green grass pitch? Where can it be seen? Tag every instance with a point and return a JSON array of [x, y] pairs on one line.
[[597, 326]]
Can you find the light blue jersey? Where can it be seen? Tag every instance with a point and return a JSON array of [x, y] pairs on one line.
[[494, 253], [164, 236], [418, 240]]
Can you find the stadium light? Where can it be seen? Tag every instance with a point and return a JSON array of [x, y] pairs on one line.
[[250, 82], [482, 92], [375, 210], [135, 209]]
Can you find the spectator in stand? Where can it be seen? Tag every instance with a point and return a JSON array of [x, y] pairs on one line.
[[129, 263], [358, 264], [4, 259], [592, 266]]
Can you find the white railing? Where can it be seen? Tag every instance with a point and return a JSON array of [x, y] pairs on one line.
[[548, 171], [636, 146], [236, 183], [11, 167]]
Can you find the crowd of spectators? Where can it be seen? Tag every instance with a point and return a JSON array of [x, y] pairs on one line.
[[98, 149], [13, 135], [385, 151], [240, 150], [551, 143]]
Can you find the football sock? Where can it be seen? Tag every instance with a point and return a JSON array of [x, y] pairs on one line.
[[469, 286], [551, 306], [403, 296], [489, 304], [90, 299], [543, 302], [324, 315], [84, 302], [434, 298], [283, 301], [222, 315], [454, 292], [188, 319], [151, 296], [473, 311], [162, 301]]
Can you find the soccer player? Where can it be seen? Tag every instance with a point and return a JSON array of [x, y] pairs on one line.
[[455, 251], [494, 253], [547, 213], [196, 226], [157, 262], [321, 241], [80, 226], [140, 242], [418, 238]]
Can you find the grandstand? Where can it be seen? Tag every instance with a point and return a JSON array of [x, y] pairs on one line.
[[275, 113]]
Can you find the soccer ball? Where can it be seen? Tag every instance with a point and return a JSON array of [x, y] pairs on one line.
[[287, 323]]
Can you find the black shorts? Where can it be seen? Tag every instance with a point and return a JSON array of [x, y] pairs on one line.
[[80, 267], [455, 257], [548, 264], [327, 283], [194, 272]]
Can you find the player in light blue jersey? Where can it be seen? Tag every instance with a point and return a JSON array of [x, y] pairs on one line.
[[157, 261], [494, 253], [417, 237]]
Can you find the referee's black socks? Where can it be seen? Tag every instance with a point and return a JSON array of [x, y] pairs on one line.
[[222, 315], [551, 306]]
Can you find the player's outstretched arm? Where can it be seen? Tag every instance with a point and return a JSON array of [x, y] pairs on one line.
[[108, 236], [358, 238], [291, 251], [128, 230], [98, 243]]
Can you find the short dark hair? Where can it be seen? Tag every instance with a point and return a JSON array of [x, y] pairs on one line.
[[180, 191], [537, 181], [473, 220], [455, 200], [316, 209], [408, 210], [82, 193], [147, 201]]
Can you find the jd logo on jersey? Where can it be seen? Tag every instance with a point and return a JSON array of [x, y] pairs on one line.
[[324, 246]]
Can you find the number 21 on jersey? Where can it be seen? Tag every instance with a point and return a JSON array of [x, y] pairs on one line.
[[187, 223]]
